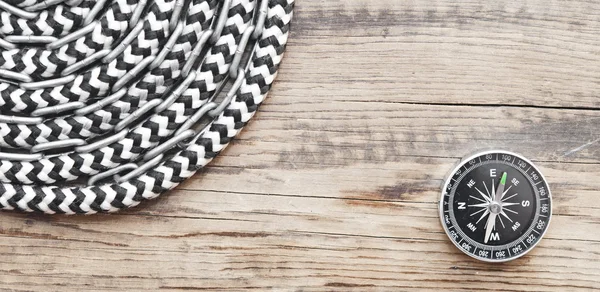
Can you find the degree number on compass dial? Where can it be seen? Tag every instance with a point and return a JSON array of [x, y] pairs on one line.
[[495, 206]]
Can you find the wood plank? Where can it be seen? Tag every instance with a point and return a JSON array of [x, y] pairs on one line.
[[538, 53], [334, 185]]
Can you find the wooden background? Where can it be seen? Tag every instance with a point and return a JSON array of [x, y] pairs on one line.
[[334, 185]]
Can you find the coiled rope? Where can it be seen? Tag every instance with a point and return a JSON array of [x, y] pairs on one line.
[[126, 94]]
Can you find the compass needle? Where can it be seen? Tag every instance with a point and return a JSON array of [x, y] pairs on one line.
[[495, 206], [489, 227], [498, 193]]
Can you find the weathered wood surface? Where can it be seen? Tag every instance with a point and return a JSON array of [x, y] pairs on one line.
[[334, 185]]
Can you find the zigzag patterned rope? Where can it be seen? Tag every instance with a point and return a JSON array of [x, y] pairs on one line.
[[152, 131], [152, 85], [57, 21], [126, 118]]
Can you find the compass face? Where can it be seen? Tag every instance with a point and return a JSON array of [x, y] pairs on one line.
[[495, 206]]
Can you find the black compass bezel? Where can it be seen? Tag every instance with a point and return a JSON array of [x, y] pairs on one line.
[[524, 243]]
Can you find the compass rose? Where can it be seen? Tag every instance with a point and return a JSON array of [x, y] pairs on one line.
[[493, 205]]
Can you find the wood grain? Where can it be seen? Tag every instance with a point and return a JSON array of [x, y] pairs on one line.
[[334, 185]]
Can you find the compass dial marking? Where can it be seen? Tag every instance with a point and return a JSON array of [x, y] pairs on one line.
[[511, 197], [506, 191], [483, 216], [478, 199], [488, 199], [509, 204], [501, 222], [478, 212]]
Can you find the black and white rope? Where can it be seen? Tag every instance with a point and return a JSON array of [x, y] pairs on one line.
[[154, 84], [149, 132], [56, 21], [132, 129]]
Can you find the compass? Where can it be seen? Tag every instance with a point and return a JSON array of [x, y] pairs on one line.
[[495, 206]]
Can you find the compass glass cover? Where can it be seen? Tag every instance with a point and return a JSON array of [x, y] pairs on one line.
[[495, 206]]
